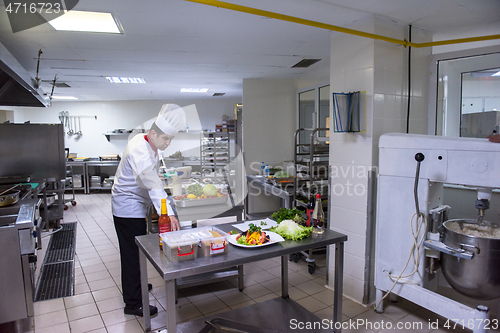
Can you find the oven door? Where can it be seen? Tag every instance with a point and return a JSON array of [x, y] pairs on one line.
[[29, 267], [12, 271]]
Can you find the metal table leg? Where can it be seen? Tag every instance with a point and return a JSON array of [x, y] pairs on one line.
[[284, 276], [171, 314], [145, 292], [240, 278], [338, 285]]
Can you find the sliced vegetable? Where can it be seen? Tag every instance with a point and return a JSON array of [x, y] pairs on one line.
[[252, 238], [290, 230]]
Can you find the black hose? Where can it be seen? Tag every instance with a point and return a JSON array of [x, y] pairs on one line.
[[419, 157]]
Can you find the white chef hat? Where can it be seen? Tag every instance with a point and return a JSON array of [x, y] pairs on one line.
[[171, 119]]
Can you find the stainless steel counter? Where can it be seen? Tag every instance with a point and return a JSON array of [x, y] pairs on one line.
[[169, 271], [286, 193]]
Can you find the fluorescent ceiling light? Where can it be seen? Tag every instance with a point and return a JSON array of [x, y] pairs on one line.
[[63, 97], [117, 79], [496, 74], [75, 20], [194, 90]]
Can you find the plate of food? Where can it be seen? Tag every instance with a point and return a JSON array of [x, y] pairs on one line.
[[255, 237], [266, 223]]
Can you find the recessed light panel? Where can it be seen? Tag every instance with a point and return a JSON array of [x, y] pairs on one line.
[[194, 90], [75, 20], [119, 79]]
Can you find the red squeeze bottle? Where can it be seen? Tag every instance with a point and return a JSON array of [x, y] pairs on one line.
[[164, 224]]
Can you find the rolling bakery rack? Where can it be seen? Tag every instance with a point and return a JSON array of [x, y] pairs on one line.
[[214, 151], [311, 167]]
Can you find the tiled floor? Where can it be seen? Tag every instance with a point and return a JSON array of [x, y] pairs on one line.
[[97, 305]]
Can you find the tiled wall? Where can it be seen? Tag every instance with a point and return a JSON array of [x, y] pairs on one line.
[[380, 69]]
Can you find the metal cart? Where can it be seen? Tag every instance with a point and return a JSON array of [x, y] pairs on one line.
[[311, 162], [69, 181]]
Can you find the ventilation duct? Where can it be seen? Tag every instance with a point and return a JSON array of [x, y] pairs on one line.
[[16, 85], [304, 63]]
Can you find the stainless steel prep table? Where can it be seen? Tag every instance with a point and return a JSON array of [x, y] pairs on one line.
[[285, 194], [93, 163], [169, 271]]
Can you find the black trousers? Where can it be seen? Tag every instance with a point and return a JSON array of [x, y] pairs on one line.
[[126, 230]]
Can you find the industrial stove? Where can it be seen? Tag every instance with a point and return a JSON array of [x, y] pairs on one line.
[[18, 246]]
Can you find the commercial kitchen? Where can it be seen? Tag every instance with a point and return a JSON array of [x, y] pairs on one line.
[[384, 109]]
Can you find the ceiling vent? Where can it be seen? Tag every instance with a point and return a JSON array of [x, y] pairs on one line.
[[304, 63], [57, 84], [218, 94]]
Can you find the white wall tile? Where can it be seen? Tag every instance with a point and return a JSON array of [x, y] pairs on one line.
[[343, 220], [354, 265], [355, 246], [354, 149]]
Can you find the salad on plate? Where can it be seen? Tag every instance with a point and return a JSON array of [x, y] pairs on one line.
[[254, 236]]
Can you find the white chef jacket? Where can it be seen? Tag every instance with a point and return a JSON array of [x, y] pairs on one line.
[[136, 182]]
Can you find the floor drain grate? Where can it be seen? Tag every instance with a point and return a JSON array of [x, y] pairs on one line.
[[57, 272]]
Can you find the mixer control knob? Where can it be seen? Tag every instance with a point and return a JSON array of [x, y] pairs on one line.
[[419, 157]]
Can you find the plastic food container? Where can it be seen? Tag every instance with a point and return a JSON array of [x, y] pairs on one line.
[[180, 246], [214, 242]]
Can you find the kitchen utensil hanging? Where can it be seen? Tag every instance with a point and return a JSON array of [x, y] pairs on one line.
[[70, 126], [70, 123], [349, 111], [79, 133]]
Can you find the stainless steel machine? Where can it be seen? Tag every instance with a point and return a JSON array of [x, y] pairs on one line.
[[18, 263], [422, 256]]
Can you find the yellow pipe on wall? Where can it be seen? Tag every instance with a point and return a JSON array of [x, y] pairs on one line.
[[298, 20]]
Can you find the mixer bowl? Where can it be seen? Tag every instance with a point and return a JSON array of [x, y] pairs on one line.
[[478, 277]]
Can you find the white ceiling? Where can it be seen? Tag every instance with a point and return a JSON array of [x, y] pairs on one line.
[[176, 43]]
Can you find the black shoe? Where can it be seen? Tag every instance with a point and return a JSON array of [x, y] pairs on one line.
[[153, 311], [150, 286]]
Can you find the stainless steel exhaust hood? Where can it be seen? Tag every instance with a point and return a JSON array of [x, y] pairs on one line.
[[16, 85]]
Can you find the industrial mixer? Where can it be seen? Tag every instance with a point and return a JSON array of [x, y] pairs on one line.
[[448, 267]]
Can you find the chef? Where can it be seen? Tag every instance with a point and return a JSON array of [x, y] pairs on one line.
[[136, 185]]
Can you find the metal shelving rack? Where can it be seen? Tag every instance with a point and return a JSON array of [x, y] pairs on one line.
[[55, 209], [113, 165], [311, 161], [81, 165], [214, 151], [311, 164]]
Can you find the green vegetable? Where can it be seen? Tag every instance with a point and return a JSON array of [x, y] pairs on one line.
[[290, 230], [243, 241], [195, 189], [263, 223], [281, 174], [234, 232], [286, 214], [210, 190], [253, 228]]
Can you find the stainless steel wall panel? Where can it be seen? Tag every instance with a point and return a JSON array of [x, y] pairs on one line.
[[35, 150]]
